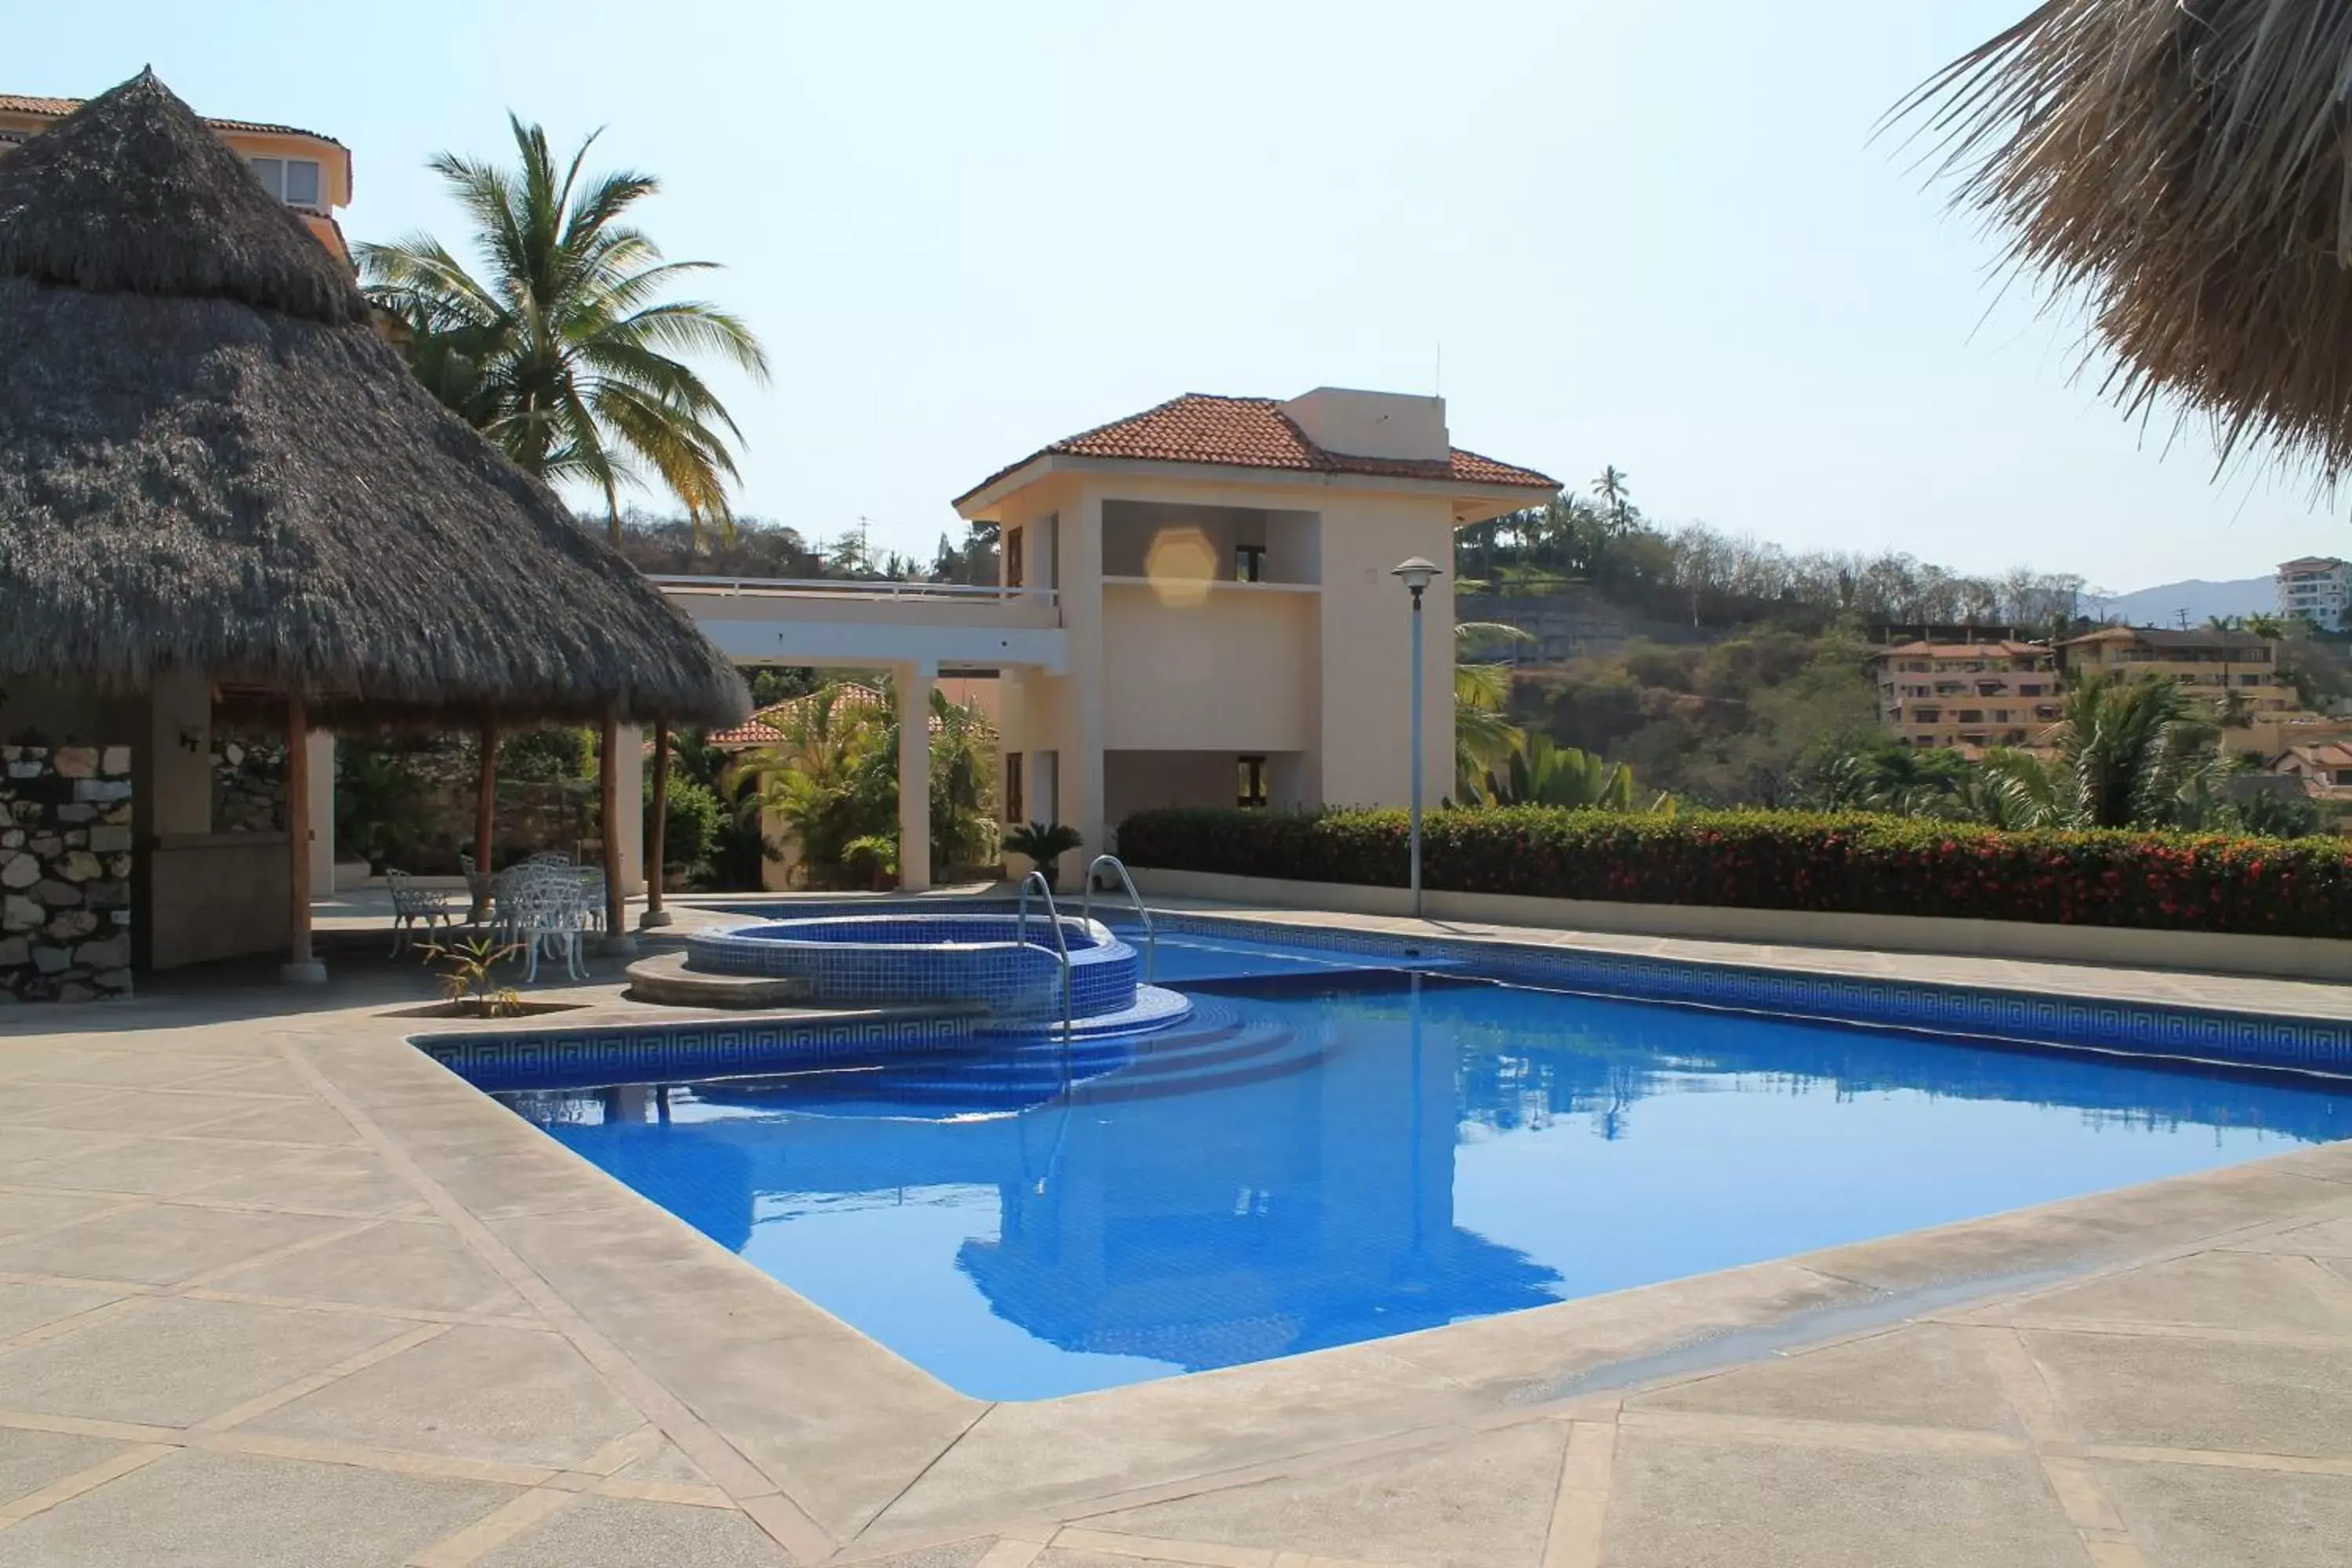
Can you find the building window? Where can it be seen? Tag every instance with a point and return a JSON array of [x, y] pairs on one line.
[[1012, 558], [1016, 807], [1927, 716], [1971, 715], [1253, 781], [1249, 563], [2250, 680], [294, 181], [2344, 775]]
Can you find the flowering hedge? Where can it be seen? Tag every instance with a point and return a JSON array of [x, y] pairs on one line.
[[1785, 860]]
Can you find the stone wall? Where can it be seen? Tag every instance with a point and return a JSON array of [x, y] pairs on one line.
[[64, 873], [248, 781]]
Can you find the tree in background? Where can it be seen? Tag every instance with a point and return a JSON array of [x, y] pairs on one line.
[[835, 781]]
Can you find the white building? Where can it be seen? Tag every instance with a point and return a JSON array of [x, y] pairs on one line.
[[2317, 587]]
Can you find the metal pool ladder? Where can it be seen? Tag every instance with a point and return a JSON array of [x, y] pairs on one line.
[[1061, 942], [1086, 909]]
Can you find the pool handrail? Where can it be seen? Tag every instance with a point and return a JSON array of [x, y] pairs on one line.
[[1087, 911], [1061, 942]]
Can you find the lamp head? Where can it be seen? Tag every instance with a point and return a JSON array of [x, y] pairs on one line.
[[1416, 573]]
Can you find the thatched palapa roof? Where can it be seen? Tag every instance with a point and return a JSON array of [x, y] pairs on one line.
[[2185, 170], [210, 460]]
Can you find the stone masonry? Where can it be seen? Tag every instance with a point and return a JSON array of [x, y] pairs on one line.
[[64, 873], [248, 783]]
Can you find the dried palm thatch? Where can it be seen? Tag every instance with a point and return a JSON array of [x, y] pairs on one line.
[[210, 460], [2186, 167]]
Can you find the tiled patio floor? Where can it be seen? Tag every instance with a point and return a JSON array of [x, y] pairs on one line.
[[275, 1289]]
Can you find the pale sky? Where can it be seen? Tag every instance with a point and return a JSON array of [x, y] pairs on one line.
[[1658, 236]]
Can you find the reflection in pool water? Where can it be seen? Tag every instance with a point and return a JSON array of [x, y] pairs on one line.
[[1318, 1160]]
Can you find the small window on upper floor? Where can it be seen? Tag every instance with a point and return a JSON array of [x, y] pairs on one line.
[[1013, 563], [294, 181], [1253, 781], [1249, 563]]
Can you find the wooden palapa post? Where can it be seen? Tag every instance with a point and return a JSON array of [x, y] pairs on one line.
[[616, 906], [655, 867], [486, 790], [301, 968]]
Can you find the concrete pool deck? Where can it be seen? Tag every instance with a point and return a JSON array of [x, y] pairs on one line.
[[277, 1289]]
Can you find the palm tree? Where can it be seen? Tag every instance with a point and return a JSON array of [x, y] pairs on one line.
[[2182, 169], [1610, 488], [563, 350], [1483, 735], [1548, 774], [2130, 754]]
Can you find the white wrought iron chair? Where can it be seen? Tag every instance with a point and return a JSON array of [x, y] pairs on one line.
[[549, 919], [413, 906]]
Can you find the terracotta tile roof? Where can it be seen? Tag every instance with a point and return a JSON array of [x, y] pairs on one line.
[[1966, 650], [22, 103], [2325, 754], [751, 732], [1255, 433], [768, 726]]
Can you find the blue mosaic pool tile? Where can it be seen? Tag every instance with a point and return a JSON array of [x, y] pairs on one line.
[[947, 955], [700, 1047]]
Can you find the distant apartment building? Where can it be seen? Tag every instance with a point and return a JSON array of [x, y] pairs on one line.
[[2230, 675], [308, 172], [2317, 587], [1967, 696]]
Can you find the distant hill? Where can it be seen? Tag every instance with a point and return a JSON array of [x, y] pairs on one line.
[[2161, 605]]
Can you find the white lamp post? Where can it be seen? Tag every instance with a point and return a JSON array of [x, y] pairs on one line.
[[1417, 574]]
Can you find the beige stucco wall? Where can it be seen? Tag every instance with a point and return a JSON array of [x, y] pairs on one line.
[[1225, 666]]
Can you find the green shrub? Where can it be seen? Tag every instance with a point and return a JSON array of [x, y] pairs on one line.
[[693, 823], [1786, 860]]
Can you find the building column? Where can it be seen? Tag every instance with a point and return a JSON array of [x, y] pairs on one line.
[[1080, 794], [914, 683], [322, 813], [631, 777]]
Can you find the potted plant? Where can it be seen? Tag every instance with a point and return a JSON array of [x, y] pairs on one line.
[[1045, 843]]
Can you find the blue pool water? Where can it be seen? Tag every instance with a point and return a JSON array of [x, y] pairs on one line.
[[1328, 1152]]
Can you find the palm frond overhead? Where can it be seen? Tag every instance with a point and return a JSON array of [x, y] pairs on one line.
[[2185, 168]]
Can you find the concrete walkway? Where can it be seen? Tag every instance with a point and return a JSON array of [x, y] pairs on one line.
[[275, 1289]]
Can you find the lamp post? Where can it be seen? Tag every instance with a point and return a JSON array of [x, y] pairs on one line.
[[1417, 574]]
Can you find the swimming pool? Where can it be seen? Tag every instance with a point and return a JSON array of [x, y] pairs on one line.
[[1336, 1148]]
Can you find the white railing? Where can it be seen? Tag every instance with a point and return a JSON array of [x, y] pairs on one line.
[[855, 588], [1061, 942], [1087, 911]]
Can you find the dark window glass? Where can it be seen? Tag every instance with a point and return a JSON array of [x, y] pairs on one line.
[[1253, 781]]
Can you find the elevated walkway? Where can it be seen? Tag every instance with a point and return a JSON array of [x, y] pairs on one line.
[[825, 621]]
